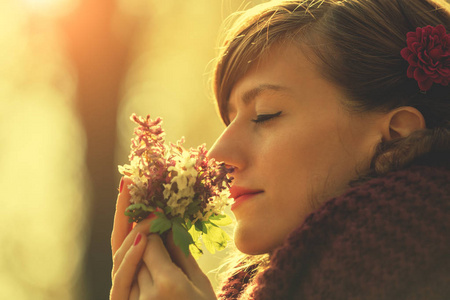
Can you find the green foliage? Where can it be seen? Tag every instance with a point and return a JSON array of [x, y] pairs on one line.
[[214, 238], [192, 209], [138, 212], [221, 220], [188, 236], [195, 232], [160, 224], [196, 249], [181, 237], [199, 227]]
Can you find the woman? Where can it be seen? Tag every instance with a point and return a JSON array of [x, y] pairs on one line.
[[338, 129]]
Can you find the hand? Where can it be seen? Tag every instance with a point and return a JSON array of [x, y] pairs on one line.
[[126, 256], [144, 269], [168, 274]]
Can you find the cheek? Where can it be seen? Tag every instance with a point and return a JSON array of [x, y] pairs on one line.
[[284, 207], [299, 171], [301, 155], [309, 167]]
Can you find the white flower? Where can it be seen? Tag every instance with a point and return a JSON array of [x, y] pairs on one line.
[[217, 204], [185, 181], [139, 187]]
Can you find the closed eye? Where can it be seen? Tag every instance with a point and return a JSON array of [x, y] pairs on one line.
[[263, 118]]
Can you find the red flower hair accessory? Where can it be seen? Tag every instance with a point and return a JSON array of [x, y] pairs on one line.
[[428, 55]]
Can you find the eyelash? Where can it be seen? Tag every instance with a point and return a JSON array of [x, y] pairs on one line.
[[264, 118]]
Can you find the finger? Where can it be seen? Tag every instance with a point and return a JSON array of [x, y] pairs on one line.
[[123, 278], [144, 279], [121, 226], [156, 257], [141, 228], [134, 294], [188, 265]]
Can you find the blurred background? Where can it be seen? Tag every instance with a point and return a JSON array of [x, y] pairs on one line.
[[71, 74]]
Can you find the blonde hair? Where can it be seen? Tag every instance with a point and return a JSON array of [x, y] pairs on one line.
[[356, 45]]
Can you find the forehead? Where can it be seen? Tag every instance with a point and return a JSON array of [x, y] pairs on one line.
[[280, 69], [240, 59]]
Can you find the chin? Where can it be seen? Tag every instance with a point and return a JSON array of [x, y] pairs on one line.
[[252, 243]]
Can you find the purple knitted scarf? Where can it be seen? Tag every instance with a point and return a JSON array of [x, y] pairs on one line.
[[388, 238]]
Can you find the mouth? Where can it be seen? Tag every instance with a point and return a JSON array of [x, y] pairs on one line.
[[241, 194]]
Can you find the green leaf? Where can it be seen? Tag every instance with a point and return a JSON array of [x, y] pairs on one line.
[[221, 220], [195, 232], [214, 238], [192, 209], [181, 237], [140, 206], [188, 224], [199, 225], [167, 210], [161, 224], [138, 212], [196, 249]]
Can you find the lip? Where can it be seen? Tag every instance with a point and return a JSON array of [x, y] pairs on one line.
[[242, 194]]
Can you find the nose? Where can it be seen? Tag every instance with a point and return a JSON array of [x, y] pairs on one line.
[[230, 148]]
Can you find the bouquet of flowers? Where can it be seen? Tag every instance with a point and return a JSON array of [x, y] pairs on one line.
[[186, 190]]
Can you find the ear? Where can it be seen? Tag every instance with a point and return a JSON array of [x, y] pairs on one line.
[[401, 122]]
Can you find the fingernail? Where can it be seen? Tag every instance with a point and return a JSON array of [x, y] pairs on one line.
[[121, 185], [138, 239]]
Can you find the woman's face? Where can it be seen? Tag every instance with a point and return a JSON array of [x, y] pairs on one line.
[[293, 145]]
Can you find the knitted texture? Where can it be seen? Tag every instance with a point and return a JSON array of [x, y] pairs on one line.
[[388, 238]]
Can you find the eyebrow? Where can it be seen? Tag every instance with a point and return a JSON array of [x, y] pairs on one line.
[[250, 95]]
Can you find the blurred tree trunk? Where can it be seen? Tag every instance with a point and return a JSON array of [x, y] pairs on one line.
[[100, 57]]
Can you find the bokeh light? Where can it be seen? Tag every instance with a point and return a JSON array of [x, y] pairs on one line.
[[41, 223], [46, 60], [50, 8]]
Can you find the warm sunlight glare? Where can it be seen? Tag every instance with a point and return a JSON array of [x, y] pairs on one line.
[[49, 7], [41, 164]]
